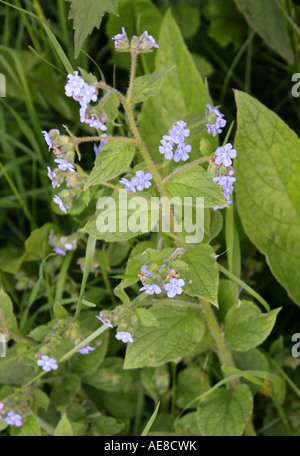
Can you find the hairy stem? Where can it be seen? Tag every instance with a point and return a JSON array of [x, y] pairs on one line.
[[223, 351]]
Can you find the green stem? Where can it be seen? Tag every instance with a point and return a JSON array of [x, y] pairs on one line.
[[99, 138], [143, 149], [223, 351], [132, 74]]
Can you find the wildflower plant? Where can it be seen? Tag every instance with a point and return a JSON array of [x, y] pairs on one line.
[[126, 276]]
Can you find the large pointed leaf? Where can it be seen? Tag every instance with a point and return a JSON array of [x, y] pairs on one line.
[[268, 188], [88, 14]]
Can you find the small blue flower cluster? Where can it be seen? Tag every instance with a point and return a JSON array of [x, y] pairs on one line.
[[142, 44], [124, 336], [176, 137], [84, 93], [219, 123], [224, 156], [139, 182], [173, 288], [62, 244]]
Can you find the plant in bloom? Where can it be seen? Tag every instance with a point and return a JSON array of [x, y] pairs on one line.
[[174, 287], [47, 363], [121, 41], [128, 185], [105, 321], [85, 350], [144, 270], [47, 139], [225, 154], [13, 419], [176, 136], [142, 180], [150, 289], [219, 123], [79, 90], [64, 165], [124, 336], [58, 200]]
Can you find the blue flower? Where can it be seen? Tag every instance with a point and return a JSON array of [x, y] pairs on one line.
[[64, 165], [182, 152], [13, 419], [142, 180], [85, 350], [124, 336], [147, 41], [47, 363], [166, 149], [223, 180], [59, 251], [68, 246], [128, 185], [121, 40], [91, 119], [78, 89], [52, 175], [47, 139], [174, 287], [219, 123], [226, 182], [151, 289], [224, 155], [58, 200], [178, 133], [105, 321], [144, 269]]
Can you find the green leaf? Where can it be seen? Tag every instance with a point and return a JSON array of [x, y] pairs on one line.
[[247, 327], [122, 217], [63, 428], [107, 425], [37, 245], [267, 170], [88, 364], [146, 318], [135, 262], [251, 360], [183, 84], [86, 15], [201, 278], [59, 311], [228, 296], [63, 393], [190, 384], [195, 182], [8, 321], [151, 421], [11, 259], [41, 399], [267, 19], [114, 159], [31, 427], [225, 412], [148, 85], [120, 293], [178, 333]]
